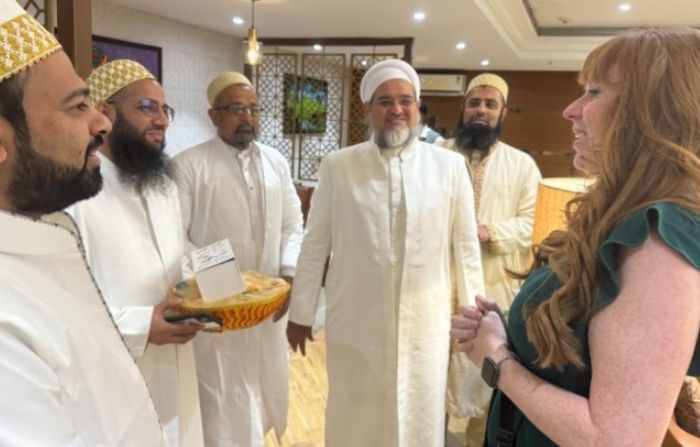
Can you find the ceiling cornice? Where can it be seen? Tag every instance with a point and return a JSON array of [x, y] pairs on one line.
[[513, 22]]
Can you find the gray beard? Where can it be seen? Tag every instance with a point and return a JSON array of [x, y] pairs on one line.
[[392, 139]]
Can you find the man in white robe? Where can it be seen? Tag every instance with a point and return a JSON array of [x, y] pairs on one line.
[[134, 242], [396, 217], [505, 181], [66, 376], [237, 188]]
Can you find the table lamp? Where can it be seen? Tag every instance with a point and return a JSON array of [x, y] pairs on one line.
[[552, 196]]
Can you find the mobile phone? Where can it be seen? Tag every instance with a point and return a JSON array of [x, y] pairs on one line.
[[209, 321]]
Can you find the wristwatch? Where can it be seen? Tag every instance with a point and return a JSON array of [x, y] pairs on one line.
[[491, 368]]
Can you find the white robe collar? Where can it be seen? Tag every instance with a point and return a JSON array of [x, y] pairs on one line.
[[406, 153], [52, 234]]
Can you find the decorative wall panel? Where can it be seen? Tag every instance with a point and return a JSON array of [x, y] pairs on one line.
[[312, 148], [306, 111], [35, 8], [269, 80]]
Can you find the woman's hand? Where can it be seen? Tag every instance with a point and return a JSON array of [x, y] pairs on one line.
[[490, 336], [478, 331]]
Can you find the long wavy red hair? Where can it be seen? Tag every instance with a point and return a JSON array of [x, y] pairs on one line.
[[649, 153]]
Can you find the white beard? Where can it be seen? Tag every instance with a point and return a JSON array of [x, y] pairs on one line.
[[392, 139]]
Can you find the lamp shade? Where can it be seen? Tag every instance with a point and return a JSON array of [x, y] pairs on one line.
[[252, 54], [552, 196]]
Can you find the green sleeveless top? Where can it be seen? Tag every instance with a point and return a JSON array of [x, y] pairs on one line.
[[678, 228]]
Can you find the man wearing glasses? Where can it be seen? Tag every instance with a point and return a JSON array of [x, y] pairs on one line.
[[396, 215], [237, 188], [134, 241]]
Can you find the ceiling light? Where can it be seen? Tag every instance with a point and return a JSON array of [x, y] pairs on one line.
[[237, 20], [317, 47], [419, 16], [364, 62], [624, 7], [252, 53], [485, 62], [461, 45]]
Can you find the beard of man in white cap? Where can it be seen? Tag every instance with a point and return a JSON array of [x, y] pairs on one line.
[[66, 375], [138, 211], [237, 188], [397, 215]]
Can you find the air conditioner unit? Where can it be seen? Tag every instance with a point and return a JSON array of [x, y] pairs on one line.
[[442, 84]]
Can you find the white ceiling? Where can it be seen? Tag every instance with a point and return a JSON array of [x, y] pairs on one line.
[[503, 31]]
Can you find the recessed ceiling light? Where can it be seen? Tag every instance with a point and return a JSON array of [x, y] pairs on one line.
[[237, 20], [485, 62], [318, 47], [419, 16], [461, 45], [624, 7]]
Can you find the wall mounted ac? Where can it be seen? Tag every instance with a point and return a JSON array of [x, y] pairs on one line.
[[442, 84]]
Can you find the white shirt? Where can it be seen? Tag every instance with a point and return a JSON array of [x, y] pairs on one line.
[[242, 374], [134, 242], [249, 162], [388, 338], [66, 376]]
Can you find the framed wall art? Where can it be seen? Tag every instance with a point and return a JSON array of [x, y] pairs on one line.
[[305, 105], [106, 49]]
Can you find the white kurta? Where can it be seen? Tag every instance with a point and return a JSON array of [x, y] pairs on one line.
[[508, 181], [66, 377], [243, 380], [134, 242], [507, 208], [388, 339]]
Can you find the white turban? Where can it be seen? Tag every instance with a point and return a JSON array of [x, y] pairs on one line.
[[384, 71], [222, 82]]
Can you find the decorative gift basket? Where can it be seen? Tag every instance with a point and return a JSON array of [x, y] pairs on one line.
[[262, 297]]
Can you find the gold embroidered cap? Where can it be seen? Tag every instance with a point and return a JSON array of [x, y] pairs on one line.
[[23, 41], [109, 78], [224, 81], [490, 80]]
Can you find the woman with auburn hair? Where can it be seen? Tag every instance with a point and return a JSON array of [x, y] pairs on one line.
[[605, 328]]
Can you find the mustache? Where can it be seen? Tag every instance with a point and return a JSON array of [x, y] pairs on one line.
[[96, 142], [244, 128]]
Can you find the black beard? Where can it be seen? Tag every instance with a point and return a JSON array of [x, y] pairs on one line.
[[141, 164], [477, 136], [41, 185]]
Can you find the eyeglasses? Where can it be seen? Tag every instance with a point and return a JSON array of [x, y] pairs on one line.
[[152, 108], [388, 103], [240, 109]]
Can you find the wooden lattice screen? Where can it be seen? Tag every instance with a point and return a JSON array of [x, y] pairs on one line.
[[323, 78], [41, 10]]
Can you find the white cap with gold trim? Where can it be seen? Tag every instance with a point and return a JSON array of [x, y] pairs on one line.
[[23, 41], [109, 78]]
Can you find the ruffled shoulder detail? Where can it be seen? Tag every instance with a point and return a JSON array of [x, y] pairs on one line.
[[677, 227]]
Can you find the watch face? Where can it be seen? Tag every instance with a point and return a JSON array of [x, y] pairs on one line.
[[489, 372]]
